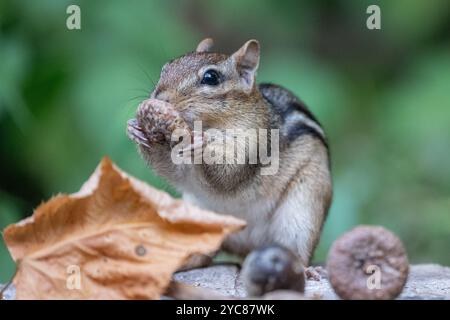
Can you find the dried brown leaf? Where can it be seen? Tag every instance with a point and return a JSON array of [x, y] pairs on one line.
[[125, 237]]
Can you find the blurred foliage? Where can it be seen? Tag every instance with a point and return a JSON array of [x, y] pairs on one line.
[[383, 97]]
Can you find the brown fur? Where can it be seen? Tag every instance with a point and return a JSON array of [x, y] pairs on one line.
[[269, 203]]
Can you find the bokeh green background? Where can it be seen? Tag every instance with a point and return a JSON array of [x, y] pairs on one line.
[[383, 97]]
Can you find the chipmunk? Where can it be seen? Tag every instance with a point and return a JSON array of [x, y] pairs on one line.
[[288, 207]]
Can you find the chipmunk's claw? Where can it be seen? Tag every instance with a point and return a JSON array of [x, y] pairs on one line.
[[135, 133]]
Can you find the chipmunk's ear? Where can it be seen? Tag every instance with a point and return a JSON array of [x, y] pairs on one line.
[[247, 61], [205, 45]]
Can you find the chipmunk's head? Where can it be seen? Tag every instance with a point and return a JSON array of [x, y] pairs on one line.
[[213, 87]]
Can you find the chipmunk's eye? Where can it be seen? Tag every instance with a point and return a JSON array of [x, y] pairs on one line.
[[211, 77]]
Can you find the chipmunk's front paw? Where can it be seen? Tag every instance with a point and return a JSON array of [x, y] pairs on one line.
[[156, 120]]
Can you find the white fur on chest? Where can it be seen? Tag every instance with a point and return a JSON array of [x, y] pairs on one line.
[[256, 212], [275, 211]]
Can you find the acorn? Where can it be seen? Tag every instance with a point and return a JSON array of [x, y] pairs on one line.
[[271, 268], [368, 262]]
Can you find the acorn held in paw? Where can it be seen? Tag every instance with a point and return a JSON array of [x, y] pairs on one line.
[[271, 268], [368, 262]]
